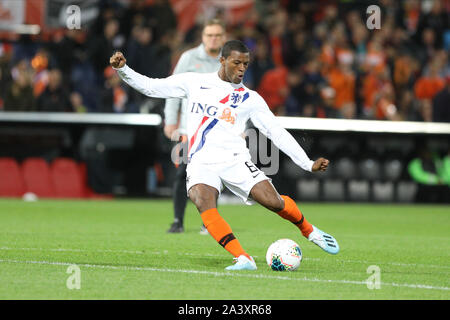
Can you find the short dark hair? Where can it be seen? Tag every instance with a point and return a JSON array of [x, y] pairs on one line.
[[233, 45]]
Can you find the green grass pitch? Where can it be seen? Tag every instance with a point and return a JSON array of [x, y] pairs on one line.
[[122, 251]]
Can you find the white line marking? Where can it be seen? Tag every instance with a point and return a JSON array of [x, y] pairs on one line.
[[390, 263], [223, 274], [110, 251], [218, 255]]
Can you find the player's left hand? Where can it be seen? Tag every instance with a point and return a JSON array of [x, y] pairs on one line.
[[320, 164]]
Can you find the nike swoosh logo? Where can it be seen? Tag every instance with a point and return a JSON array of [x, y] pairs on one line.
[[204, 88], [256, 175]]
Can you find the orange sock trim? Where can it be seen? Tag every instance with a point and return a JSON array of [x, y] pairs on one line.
[[292, 213], [221, 231]]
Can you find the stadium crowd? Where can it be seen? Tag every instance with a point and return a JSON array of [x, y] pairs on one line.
[[309, 58]]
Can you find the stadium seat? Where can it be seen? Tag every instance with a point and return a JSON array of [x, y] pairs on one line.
[[308, 189], [370, 169], [392, 169], [11, 180], [383, 191], [359, 190], [334, 190], [67, 178], [406, 191], [346, 168], [36, 174]]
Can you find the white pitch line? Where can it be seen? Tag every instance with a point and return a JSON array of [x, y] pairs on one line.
[[110, 251], [224, 274], [391, 263], [217, 255]]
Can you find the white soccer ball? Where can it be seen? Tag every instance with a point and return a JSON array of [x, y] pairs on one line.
[[284, 254]]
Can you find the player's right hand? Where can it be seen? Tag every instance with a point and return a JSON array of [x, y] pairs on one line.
[[320, 164], [117, 60]]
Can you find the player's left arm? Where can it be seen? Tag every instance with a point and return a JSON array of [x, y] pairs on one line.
[[269, 125]]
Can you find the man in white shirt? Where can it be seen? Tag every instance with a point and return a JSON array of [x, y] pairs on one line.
[[203, 58], [219, 106]]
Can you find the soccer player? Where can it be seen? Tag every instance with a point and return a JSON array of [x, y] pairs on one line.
[[203, 58], [218, 107]]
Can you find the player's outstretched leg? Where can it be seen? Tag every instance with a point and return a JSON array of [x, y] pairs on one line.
[[292, 213], [205, 199], [265, 194]]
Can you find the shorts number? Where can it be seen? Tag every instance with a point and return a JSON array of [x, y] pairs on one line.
[[251, 166]]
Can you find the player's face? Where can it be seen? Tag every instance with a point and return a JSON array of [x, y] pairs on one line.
[[213, 38], [235, 66]]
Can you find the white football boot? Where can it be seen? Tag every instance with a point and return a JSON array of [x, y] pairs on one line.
[[243, 263]]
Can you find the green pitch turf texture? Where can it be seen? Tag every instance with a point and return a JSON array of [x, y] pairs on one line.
[[124, 252]]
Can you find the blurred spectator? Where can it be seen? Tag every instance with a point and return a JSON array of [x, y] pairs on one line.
[[274, 89], [405, 71], [25, 48], [409, 16], [296, 51], [296, 40], [276, 26], [359, 43], [437, 20], [441, 104], [107, 12], [68, 50], [19, 96], [260, 63], [408, 106], [426, 87], [114, 97], [342, 80], [295, 95], [162, 18], [427, 48], [40, 64], [102, 46], [429, 84], [163, 53], [141, 51], [376, 56], [6, 54], [325, 107], [54, 98], [133, 15], [311, 95], [379, 94], [77, 102]]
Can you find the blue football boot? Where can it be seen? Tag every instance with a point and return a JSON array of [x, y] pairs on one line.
[[324, 240]]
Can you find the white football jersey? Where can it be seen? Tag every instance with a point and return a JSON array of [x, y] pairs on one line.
[[217, 112]]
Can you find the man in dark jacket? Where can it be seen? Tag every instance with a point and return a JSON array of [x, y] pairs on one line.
[[54, 98]]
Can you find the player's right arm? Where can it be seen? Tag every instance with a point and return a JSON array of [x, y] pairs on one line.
[[171, 87], [172, 107]]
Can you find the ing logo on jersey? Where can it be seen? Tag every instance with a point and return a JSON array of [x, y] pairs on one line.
[[228, 114]]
